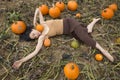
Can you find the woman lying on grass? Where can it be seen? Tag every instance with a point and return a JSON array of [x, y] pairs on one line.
[[66, 26]]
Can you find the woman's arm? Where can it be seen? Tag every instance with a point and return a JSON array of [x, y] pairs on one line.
[[18, 63], [35, 16], [41, 19]]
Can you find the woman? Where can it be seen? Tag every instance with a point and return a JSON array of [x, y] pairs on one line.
[[67, 26]]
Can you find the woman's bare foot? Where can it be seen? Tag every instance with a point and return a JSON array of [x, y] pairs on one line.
[[90, 26], [107, 54]]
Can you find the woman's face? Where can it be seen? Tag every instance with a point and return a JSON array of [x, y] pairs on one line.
[[34, 34]]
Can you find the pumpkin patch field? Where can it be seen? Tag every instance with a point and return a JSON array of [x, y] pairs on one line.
[[51, 63]]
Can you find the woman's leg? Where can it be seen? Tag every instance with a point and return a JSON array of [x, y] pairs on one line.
[[90, 26], [82, 35], [105, 52]]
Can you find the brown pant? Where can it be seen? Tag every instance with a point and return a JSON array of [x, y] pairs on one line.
[[78, 31]]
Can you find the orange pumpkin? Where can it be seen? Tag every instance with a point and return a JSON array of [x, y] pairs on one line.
[[47, 42], [78, 15], [72, 5], [18, 27], [60, 5], [99, 57], [107, 13], [39, 27], [44, 9], [113, 7], [54, 12], [71, 71]]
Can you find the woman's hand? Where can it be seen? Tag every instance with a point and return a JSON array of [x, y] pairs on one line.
[[17, 64]]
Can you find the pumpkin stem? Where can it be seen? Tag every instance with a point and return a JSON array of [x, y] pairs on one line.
[[15, 22], [105, 10], [72, 67]]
